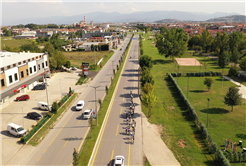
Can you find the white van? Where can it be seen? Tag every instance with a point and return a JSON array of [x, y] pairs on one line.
[[44, 106], [16, 130]]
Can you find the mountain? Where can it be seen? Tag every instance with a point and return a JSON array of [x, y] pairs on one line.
[[100, 17], [234, 18]]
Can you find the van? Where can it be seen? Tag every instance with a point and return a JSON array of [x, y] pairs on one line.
[[44, 106], [16, 130]]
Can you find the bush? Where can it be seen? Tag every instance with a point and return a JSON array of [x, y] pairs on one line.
[[234, 71], [213, 73], [80, 49], [93, 67], [179, 74], [192, 74], [55, 107], [68, 64], [174, 74], [207, 74], [49, 114]]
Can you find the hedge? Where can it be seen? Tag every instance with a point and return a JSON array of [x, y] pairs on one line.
[[212, 146]]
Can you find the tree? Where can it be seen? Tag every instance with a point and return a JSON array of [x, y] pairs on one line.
[[234, 71], [60, 59], [55, 107], [223, 59], [242, 64], [147, 88], [91, 121], [173, 43], [75, 157], [141, 51], [208, 82], [146, 78], [68, 64], [206, 40], [146, 61], [235, 55], [7, 32], [149, 100], [232, 97], [30, 47], [52, 63], [221, 42], [92, 47], [49, 48]]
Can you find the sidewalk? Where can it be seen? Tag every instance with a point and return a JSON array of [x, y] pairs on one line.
[[242, 88], [154, 148]]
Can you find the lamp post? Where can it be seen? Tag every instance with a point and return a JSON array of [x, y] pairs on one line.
[[22, 116], [113, 66], [46, 87], [208, 112], [60, 88], [95, 87]]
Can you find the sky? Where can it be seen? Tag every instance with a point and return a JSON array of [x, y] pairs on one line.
[[12, 10]]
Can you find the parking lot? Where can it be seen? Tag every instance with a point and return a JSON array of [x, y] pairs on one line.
[[16, 111]]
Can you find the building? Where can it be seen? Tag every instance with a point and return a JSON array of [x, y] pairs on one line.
[[97, 39], [44, 33], [86, 35], [26, 35], [20, 72]]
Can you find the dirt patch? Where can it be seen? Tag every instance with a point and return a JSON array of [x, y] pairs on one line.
[[171, 107], [182, 143], [151, 36], [159, 129], [188, 62]]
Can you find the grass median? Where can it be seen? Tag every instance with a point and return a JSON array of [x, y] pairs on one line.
[[90, 141], [40, 135]]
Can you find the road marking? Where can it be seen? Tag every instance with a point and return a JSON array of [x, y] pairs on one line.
[[129, 155], [111, 157], [44, 150], [83, 139], [61, 129], [9, 143], [39, 158], [120, 110], [67, 141], [86, 95], [117, 130], [123, 97]]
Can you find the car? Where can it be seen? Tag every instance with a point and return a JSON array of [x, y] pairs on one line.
[[119, 161], [80, 105], [44, 106], [34, 115], [16, 130], [23, 97], [87, 114], [74, 68], [39, 87]]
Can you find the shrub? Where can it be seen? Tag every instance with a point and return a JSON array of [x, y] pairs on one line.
[[192, 74], [174, 74], [68, 64], [55, 107], [49, 114], [80, 49], [213, 73], [93, 67], [207, 73], [179, 74], [234, 71], [106, 89]]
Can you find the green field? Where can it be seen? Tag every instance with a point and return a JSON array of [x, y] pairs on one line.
[[76, 58], [179, 132], [13, 43]]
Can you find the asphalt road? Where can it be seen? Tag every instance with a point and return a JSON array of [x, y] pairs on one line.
[[114, 140], [70, 132]]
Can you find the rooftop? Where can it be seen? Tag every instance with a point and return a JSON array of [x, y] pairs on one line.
[[10, 58]]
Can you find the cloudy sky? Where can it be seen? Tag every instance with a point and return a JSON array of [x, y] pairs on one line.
[[12, 10]]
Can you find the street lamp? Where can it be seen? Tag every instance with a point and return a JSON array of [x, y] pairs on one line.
[[95, 87], [113, 66], [208, 112], [60, 88], [46, 87]]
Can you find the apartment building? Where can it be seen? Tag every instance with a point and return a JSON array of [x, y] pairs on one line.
[[20, 73]]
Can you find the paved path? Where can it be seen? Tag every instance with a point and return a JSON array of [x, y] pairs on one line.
[[154, 148], [242, 88]]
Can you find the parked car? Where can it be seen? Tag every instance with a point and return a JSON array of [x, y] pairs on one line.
[[80, 105], [39, 87], [119, 161], [87, 114], [34, 115], [16, 130], [23, 97], [44, 106]]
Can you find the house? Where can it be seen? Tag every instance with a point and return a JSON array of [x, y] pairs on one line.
[[44, 34]]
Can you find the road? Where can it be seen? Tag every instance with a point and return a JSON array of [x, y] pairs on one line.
[[70, 132], [114, 141]]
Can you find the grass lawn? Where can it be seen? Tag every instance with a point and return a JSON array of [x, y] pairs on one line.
[[223, 124], [8, 41], [77, 58], [179, 132]]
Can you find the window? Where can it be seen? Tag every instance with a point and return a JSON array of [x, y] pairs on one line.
[[8, 67], [24, 61], [16, 77], [22, 74], [34, 68], [19, 63], [29, 60], [46, 63], [27, 72], [30, 70], [32, 58], [38, 66], [10, 79], [43, 65], [2, 83], [14, 65]]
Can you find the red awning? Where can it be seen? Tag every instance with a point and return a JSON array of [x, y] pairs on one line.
[[23, 86]]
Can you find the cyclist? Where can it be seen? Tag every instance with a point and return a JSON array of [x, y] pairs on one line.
[[133, 138], [126, 129]]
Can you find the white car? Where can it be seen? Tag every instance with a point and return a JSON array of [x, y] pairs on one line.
[[119, 161], [87, 114], [74, 68], [80, 105]]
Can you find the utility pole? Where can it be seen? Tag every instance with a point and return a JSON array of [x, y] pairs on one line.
[[208, 112], [94, 54], [22, 117], [46, 87]]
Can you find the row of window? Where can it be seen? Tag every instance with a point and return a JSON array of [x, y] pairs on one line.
[[22, 74]]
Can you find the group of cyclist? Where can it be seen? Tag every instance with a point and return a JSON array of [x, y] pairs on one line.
[[131, 123]]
